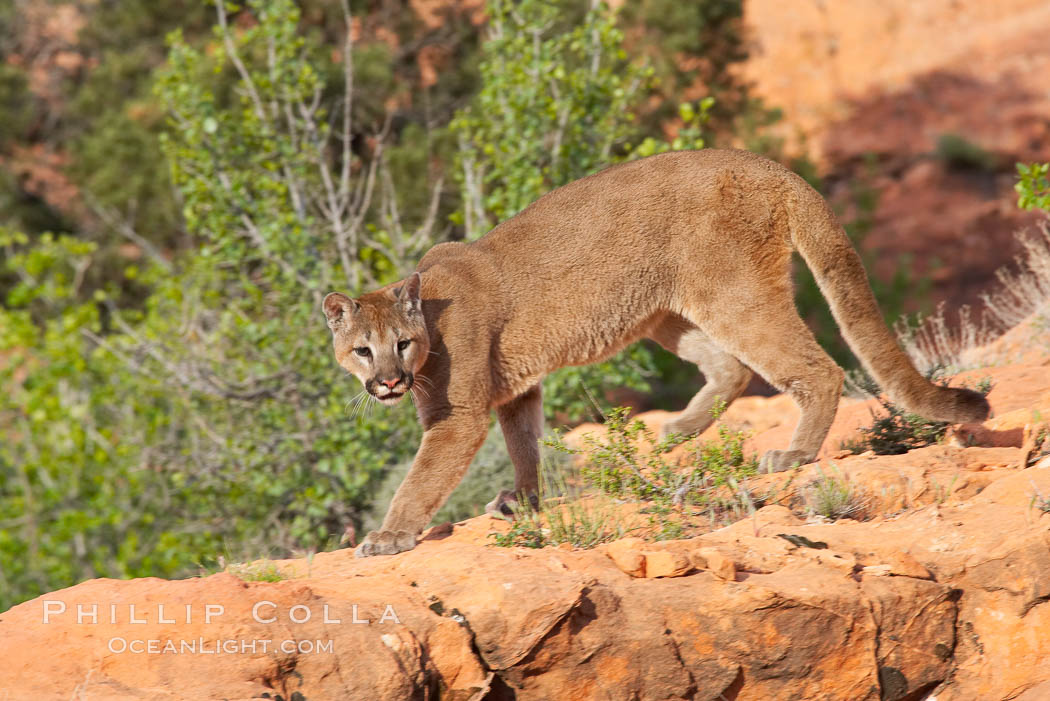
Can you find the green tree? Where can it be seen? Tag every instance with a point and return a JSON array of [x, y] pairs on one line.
[[698, 45], [210, 417]]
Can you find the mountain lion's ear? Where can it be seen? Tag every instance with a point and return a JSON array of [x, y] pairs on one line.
[[337, 307], [408, 295]]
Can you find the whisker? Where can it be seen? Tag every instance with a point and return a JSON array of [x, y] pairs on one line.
[[355, 398], [423, 383], [362, 407]]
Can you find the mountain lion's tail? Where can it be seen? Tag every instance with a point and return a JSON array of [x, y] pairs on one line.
[[820, 239]]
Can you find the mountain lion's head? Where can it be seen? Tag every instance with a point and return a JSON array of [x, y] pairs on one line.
[[381, 338]]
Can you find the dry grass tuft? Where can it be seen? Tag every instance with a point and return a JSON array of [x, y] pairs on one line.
[[934, 343]]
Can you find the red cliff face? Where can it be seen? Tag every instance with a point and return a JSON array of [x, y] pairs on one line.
[[871, 88]]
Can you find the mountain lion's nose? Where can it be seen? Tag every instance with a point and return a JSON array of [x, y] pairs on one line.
[[391, 383]]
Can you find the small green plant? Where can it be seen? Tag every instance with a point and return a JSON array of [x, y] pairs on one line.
[[259, 571], [525, 532], [620, 469], [1033, 186], [665, 522], [962, 154], [834, 496], [897, 431], [618, 466], [944, 491], [1039, 500], [724, 460], [562, 517]]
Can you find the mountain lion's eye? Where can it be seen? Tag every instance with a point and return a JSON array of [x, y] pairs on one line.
[[364, 352], [402, 345]]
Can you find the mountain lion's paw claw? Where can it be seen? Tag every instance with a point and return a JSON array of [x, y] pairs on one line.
[[385, 543], [781, 460], [505, 503]]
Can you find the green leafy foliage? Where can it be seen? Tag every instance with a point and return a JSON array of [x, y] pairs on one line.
[[557, 102], [212, 415], [629, 464], [1033, 186], [563, 516], [620, 465], [78, 494]]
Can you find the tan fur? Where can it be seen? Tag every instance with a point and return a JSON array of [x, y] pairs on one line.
[[691, 249]]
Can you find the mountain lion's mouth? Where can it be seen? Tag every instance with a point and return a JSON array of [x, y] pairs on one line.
[[393, 395]]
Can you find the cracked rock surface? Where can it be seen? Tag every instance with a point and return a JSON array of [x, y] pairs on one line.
[[941, 593]]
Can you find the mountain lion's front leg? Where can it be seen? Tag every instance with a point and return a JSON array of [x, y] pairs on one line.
[[443, 458]]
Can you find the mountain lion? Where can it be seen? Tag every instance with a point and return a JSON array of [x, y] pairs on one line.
[[691, 249]]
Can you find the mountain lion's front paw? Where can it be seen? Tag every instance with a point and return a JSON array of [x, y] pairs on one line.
[[505, 504], [780, 460], [385, 543]]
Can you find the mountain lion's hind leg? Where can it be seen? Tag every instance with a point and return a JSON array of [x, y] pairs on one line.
[[522, 422], [725, 377], [772, 340]]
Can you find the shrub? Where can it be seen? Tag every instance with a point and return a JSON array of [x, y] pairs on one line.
[[1025, 291], [563, 516], [932, 343], [834, 496], [618, 465], [958, 152], [619, 469], [897, 431]]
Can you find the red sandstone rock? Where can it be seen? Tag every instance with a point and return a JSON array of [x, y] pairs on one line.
[[941, 591], [628, 556], [666, 563]]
